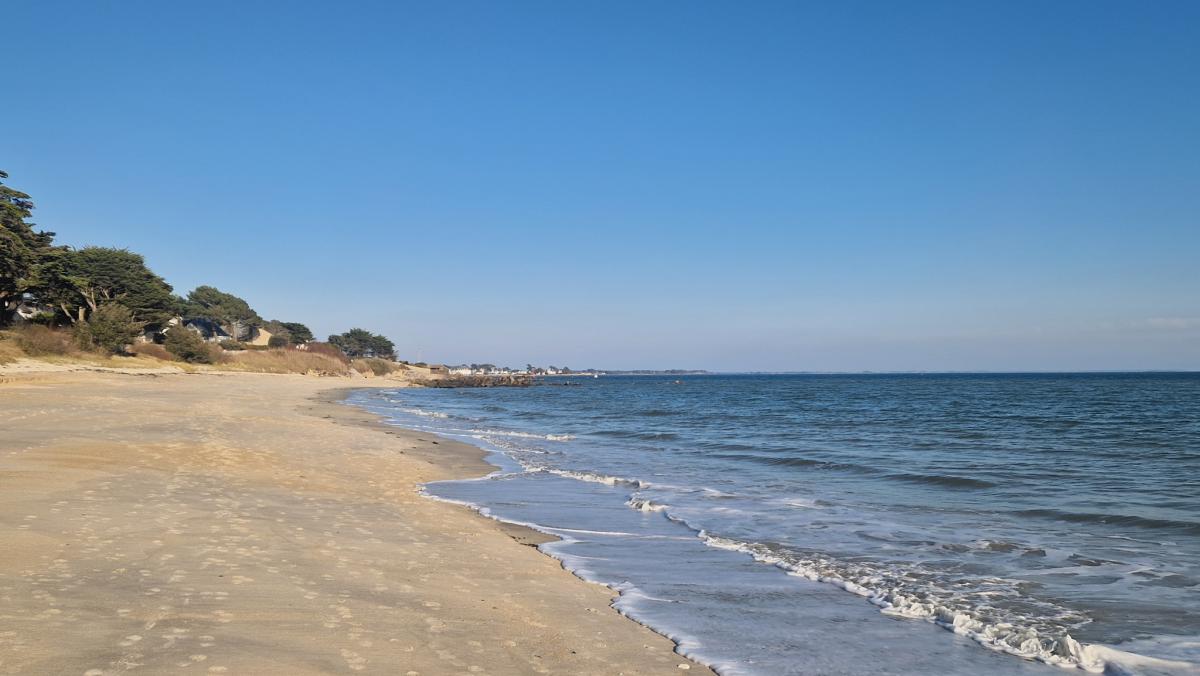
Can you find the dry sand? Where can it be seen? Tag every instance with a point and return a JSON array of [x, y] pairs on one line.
[[243, 524]]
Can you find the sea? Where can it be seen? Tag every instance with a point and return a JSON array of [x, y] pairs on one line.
[[859, 524]]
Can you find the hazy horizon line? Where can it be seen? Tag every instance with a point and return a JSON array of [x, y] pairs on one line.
[[897, 372]]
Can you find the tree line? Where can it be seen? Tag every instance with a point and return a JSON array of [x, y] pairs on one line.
[[109, 297]]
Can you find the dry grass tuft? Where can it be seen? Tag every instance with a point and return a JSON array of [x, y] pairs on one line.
[[328, 350], [285, 361], [40, 341], [48, 348], [9, 350], [373, 366], [153, 350]]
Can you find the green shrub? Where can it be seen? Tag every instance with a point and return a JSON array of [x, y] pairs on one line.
[[188, 346], [232, 345], [81, 335], [277, 341], [39, 341], [110, 328]]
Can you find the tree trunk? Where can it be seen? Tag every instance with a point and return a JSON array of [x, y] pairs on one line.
[[65, 311]]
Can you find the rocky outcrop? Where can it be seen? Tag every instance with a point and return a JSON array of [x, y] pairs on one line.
[[478, 381]]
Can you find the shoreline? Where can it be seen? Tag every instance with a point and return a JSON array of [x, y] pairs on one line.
[[165, 521], [527, 534], [470, 463]]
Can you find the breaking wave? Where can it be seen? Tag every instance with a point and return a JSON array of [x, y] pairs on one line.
[[1040, 638], [423, 413], [520, 435], [645, 505], [594, 478]]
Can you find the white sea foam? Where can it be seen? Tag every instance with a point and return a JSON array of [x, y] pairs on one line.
[[481, 433], [803, 503], [586, 531], [1007, 637], [484, 511], [422, 412], [1177, 654], [645, 505], [596, 478]]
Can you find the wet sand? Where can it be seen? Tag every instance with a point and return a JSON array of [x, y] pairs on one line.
[[247, 524]]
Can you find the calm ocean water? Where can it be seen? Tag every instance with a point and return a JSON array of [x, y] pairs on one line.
[[861, 524]]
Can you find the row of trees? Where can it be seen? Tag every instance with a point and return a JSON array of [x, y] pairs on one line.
[[73, 283], [109, 296]]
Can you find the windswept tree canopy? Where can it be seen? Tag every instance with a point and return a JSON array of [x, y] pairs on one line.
[[23, 251], [232, 313], [363, 343], [78, 282], [293, 333], [298, 333]]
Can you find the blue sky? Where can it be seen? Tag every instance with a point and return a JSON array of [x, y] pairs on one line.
[[758, 186]]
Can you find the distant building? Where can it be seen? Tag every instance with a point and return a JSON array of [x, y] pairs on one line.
[[259, 336], [29, 308], [213, 332], [207, 329]]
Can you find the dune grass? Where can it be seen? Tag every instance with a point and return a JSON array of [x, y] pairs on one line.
[[40, 341], [57, 347], [284, 361], [153, 351], [9, 351], [377, 367]]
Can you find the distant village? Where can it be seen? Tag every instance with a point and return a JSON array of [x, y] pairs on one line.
[[529, 370]]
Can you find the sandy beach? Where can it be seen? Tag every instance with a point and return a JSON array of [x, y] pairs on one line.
[[248, 524]]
